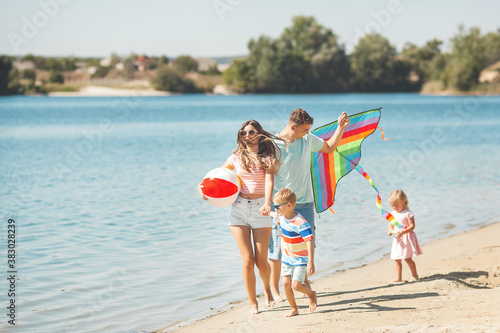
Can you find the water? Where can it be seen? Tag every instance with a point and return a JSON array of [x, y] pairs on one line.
[[111, 233]]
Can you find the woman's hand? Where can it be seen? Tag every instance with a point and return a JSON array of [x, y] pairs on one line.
[[200, 191], [265, 209]]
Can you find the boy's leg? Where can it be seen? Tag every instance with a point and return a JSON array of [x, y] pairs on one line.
[[287, 286], [311, 294]]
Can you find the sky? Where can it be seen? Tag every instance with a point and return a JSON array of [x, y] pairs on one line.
[[213, 28]]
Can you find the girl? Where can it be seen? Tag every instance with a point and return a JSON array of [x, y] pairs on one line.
[[405, 244], [255, 160]]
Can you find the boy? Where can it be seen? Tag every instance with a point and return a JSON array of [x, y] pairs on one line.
[[297, 259]]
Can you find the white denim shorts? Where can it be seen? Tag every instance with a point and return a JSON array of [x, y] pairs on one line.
[[245, 212], [296, 273]]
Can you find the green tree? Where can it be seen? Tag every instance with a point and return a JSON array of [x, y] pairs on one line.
[[185, 63], [305, 58], [5, 68], [467, 59], [168, 78], [240, 75], [492, 46], [421, 59], [56, 77], [372, 63]]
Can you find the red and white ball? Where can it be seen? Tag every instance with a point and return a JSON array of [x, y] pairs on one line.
[[221, 186]]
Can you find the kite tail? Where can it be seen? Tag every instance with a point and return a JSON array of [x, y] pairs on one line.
[[388, 216]]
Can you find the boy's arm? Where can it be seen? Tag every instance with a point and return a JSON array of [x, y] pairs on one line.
[[310, 263]]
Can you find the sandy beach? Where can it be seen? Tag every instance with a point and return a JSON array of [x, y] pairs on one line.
[[97, 91], [458, 291]]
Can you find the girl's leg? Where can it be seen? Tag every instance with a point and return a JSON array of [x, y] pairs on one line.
[[413, 268], [275, 279], [261, 245], [399, 270], [287, 286], [242, 234]]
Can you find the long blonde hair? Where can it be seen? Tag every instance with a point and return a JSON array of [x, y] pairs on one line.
[[267, 148]]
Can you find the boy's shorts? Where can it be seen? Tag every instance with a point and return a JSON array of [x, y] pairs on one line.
[[245, 212], [307, 211], [296, 273]]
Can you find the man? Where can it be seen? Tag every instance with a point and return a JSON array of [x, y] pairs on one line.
[[294, 173]]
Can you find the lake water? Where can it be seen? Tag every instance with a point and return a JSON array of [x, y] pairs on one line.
[[111, 234]]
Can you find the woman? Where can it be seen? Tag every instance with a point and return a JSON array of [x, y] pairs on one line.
[[255, 160]]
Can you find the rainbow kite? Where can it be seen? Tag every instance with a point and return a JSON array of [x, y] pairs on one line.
[[328, 169]]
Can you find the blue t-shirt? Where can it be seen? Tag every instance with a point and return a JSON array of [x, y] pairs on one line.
[[294, 235], [295, 170]]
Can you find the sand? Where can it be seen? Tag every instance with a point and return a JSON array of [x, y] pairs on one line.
[[459, 291]]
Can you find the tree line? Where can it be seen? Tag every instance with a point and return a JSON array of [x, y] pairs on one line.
[[308, 58]]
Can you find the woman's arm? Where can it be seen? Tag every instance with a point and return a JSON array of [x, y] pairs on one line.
[[269, 177]]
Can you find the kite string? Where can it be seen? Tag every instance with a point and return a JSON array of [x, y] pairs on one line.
[[388, 216]]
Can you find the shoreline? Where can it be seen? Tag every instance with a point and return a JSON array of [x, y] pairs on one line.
[[100, 91], [458, 290]]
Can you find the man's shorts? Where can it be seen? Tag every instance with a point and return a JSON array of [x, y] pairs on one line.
[[245, 212], [296, 273], [307, 211]]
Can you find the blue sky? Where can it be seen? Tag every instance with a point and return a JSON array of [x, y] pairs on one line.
[[221, 27]]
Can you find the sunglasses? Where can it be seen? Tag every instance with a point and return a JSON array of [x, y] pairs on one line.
[[281, 204], [251, 132]]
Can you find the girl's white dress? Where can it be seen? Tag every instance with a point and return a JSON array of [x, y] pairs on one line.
[[407, 245]]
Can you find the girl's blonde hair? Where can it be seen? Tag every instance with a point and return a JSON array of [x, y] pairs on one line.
[[285, 195], [268, 154], [399, 196]]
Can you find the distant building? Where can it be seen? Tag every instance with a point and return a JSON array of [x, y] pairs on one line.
[[142, 62], [490, 73], [106, 62], [205, 63], [23, 65]]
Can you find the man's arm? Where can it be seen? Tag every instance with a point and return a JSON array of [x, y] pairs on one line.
[[331, 144]]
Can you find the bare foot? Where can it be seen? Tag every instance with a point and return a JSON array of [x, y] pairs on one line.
[[278, 298], [293, 313], [313, 302], [269, 299], [254, 309], [414, 278], [396, 281]]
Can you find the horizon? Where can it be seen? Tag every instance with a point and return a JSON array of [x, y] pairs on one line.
[[221, 28]]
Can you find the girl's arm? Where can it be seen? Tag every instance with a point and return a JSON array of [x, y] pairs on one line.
[[390, 229], [200, 186], [410, 227], [266, 208]]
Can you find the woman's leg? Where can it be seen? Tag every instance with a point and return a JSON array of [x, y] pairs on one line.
[[242, 234], [261, 245]]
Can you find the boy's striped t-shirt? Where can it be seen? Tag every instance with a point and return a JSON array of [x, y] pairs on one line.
[[294, 235]]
